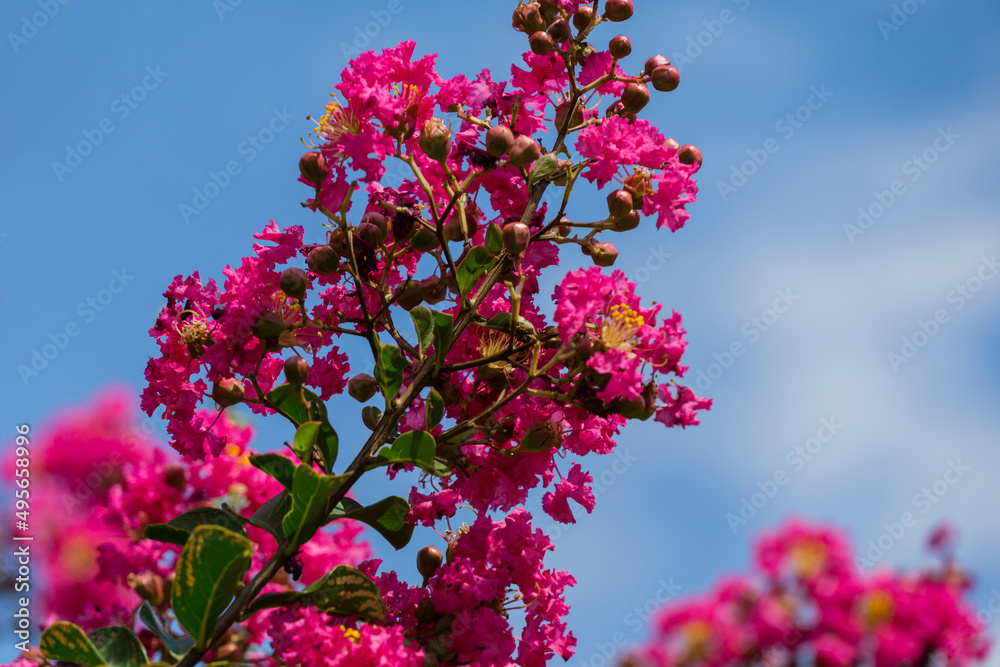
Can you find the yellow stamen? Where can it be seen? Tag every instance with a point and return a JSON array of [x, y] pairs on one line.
[[621, 326], [809, 558]]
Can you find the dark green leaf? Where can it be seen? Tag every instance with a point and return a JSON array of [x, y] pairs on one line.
[[494, 239], [416, 447], [178, 530], [305, 440], [208, 572], [443, 327], [287, 398], [67, 642], [177, 646], [310, 493], [423, 321], [473, 266], [387, 516], [343, 591], [119, 646], [389, 372], [277, 466], [435, 408], [270, 515]]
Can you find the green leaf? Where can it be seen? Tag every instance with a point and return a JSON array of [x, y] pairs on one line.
[[389, 371], [67, 642], [494, 239], [435, 408], [443, 328], [310, 493], [119, 646], [177, 646], [277, 466], [473, 266], [343, 591], [387, 516], [305, 440], [417, 447], [270, 515], [287, 398], [179, 529], [423, 321], [207, 575], [543, 167]]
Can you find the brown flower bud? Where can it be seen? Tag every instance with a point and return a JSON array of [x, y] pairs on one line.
[[527, 19], [434, 289], [666, 78], [435, 140], [604, 254], [410, 296], [429, 559], [627, 222], [426, 613], [688, 154], [174, 476], [296, 370], [337, 240], [424, 240], [619, 203], [541, 43], [524, 152], [635, 97], [323, 260], [371, 233], [654, 62], [516, 236], [453, 229], [148, 586], [228, 391], [620, 47], [377, 219], [499, 140], [672, 143], [313, 167], [560, 31], [362, 387], [618, 10], [562, 110], [293, 282]]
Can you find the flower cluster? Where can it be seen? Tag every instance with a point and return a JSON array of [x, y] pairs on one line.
[[810, 603]]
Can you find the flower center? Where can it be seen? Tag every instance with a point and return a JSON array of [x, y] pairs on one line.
[[876, 608], [336, 122], [809, 558], [621, 326]]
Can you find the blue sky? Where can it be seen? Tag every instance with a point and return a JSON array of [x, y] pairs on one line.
[[902, 125]]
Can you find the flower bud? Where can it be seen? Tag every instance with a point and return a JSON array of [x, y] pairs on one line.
[[337, 240], [562, 111], [313, 167], [583, 18], [524, 152], [426, 613], [434, 289], [371, 233], [377, 219], [559, 31], [228, 391], [666, 78], [619, 204], [424, 240], [616, 108], [627, 222], [499, 140], [293, 282], [371, 416], [453, 229], [174, 476], [429, 559], [435, 140], [654, 62], [688, 154], [620, 47], [362, 387], [269, 325], [516, 236], [402, 224], [618, 10], [604, 254], [404, 128], [635, 97], [410, 296], [296, 370], [672, 143], [323, 260], [527, 19], [148, 586], [541, 43]]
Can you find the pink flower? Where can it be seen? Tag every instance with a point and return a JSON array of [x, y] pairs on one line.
[[680, 409], [574, 485]]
